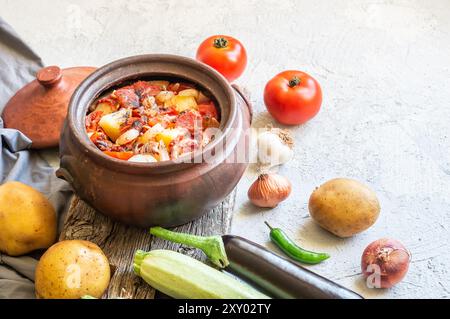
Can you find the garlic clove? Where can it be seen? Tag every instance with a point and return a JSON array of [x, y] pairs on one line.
[[275, 147], [269, 190]]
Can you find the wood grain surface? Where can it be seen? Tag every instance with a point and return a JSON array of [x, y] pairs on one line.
[[119, 242]]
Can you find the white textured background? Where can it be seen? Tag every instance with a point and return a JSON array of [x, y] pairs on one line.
[[384, 67]]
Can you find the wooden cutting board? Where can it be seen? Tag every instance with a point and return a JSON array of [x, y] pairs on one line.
[[119, 242]]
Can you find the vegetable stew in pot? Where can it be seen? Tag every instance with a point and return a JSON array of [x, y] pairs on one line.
[[150, 121]]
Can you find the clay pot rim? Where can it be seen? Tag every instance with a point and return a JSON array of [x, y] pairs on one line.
[[89, 148]]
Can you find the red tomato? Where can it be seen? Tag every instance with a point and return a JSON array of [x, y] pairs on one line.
[[190, 120], [144, 89], [92, 120], [225, 54], [120, 155], [293, 97], [95, 136], [127, 97], [208, 109], [169, 111]]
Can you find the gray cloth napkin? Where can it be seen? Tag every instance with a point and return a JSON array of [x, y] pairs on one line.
[[18, 66]]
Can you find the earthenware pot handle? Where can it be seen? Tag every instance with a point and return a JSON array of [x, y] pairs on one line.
[[245, 96], [62, 172]]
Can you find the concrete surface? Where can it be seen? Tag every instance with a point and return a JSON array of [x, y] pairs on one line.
[[384, 70]]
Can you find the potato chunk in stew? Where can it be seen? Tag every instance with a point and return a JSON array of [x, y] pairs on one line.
[[184, 103], [111, 123]]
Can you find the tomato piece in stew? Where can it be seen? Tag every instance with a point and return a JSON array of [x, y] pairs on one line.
[[190, 120]]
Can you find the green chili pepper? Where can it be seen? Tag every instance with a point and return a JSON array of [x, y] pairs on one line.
[[212, 246], [297, 253]]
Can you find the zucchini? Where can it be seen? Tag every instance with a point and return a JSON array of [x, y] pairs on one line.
[[181, 276]]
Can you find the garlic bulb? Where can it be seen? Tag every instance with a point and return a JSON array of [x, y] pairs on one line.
[[269, 190], [274, 147]]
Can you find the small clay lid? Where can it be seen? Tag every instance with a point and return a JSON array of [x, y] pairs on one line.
[[38, 109]]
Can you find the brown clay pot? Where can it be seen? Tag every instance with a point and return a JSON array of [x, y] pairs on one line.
[[162, 193]]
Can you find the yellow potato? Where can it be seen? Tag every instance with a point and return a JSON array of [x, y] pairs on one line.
[[112, 123], [344, 207], [27, 219], [164, 96], [189, 92], [71, 269], [183, 103], [150, 134], [168, 135]]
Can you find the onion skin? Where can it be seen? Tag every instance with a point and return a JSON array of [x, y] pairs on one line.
[[391, 257], [269, 190]]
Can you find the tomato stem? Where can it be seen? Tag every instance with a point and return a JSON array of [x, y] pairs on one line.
[[294, 81], [220, 43]]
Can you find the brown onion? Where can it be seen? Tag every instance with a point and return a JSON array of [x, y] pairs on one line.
[[269, 190], [384, 263]]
